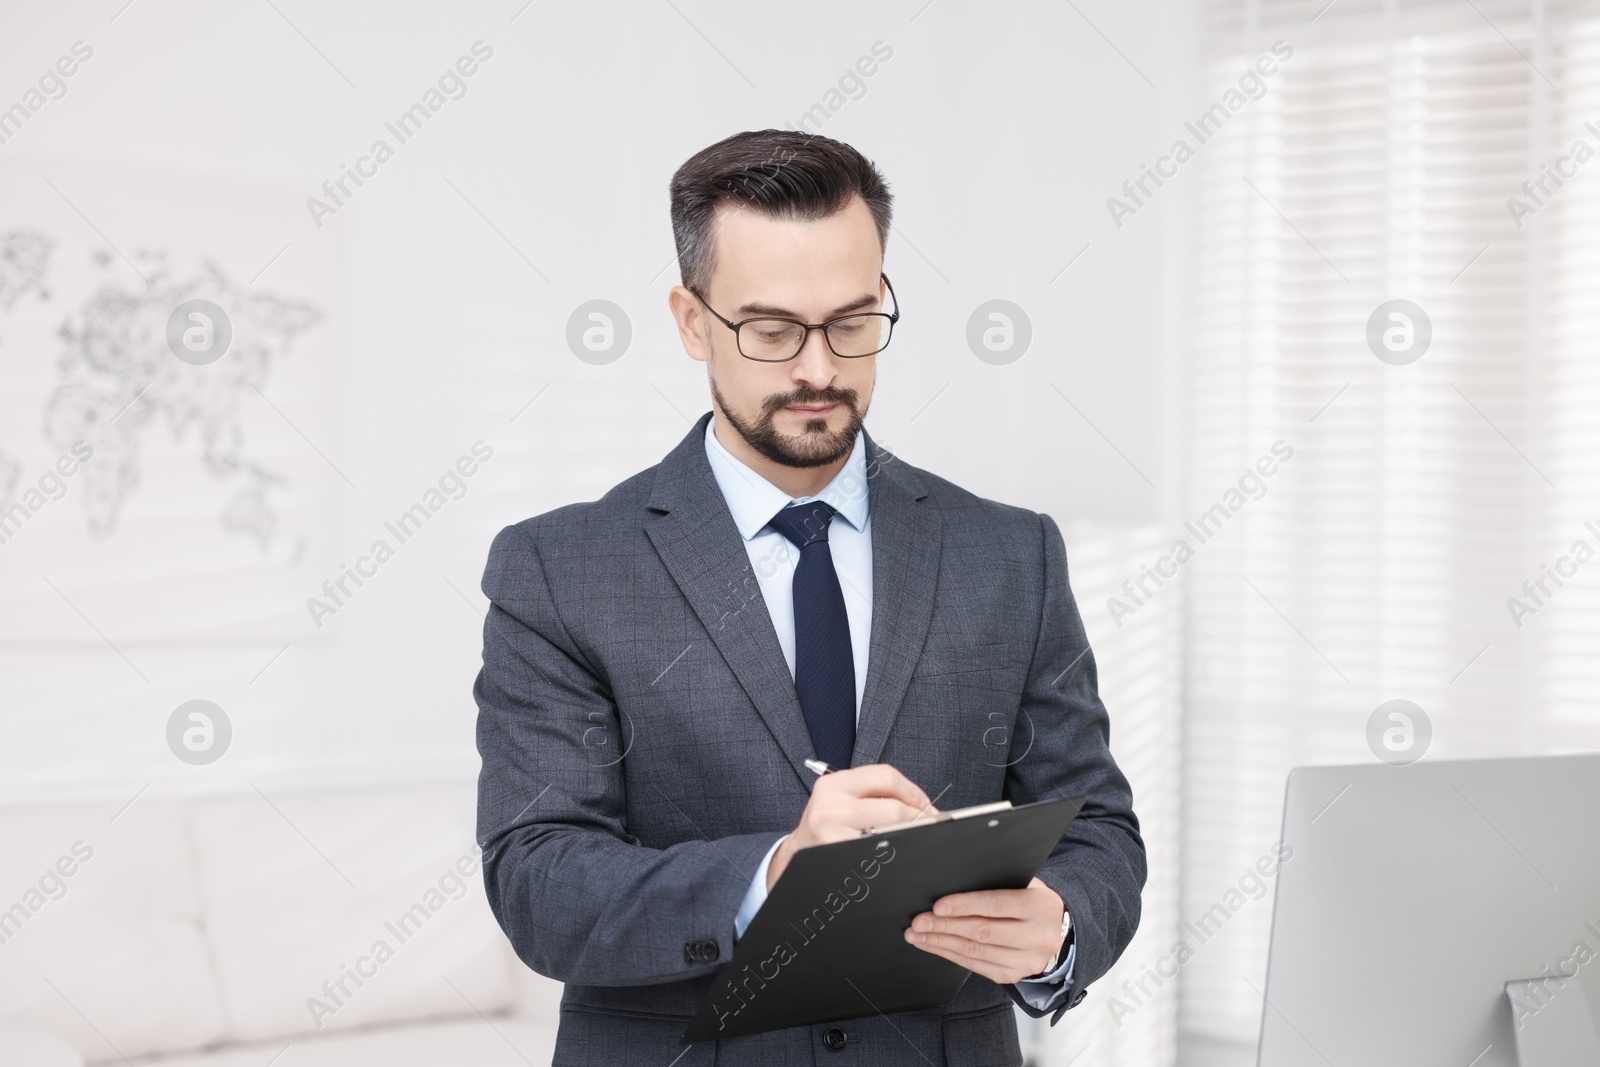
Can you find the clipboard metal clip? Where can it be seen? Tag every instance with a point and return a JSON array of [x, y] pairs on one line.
[[943, 816]]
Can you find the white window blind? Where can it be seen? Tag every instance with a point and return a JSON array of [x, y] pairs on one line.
[[1139, 674], [1379, 560]]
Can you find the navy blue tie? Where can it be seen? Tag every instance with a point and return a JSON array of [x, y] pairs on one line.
[[824, 663]]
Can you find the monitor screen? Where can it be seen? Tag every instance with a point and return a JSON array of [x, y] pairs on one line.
[[1415, 894]]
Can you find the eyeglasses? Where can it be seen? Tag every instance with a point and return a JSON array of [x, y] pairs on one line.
[[768, 340]]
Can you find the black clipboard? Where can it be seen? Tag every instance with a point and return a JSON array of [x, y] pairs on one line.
[[828, 943]]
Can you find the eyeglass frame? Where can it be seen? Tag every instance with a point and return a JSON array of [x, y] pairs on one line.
[[893, 318]]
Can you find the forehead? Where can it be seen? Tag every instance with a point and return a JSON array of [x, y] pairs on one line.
[[838, 252]]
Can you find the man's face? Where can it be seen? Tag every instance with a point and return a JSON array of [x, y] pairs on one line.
[[806, 412]]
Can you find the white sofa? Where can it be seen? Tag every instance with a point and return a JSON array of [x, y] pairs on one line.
[[345, 927]]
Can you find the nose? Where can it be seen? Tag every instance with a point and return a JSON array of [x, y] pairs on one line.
[[816, 365]]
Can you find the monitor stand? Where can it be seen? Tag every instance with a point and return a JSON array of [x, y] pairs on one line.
[[1552, 1022]]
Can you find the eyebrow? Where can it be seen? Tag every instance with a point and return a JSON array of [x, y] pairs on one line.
[[784, 313]]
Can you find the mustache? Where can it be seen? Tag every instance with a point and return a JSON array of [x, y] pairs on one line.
[[811, 397]]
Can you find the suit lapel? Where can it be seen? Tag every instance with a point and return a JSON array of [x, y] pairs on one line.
[[906, 538], [700, 545], [695, 535]]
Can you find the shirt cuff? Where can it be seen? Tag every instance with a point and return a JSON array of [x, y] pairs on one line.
[[1043, 993], [756, 895]]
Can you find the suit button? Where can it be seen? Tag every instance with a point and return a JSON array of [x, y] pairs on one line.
[[1077, 998], [700, 951], [834, 1038]]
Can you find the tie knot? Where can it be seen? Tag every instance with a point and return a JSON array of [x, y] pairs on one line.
[[804, 524]]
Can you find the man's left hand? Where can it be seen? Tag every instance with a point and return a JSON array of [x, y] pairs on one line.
[[1005, 935]]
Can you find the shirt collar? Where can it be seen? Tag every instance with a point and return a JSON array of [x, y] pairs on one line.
[[753, 500]]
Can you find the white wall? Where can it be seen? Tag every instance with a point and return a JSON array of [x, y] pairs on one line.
[[444, 288], [1001, 133]]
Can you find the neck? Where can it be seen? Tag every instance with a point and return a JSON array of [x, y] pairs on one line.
[[796, 481]]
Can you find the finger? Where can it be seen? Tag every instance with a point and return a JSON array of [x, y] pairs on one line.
[[882, 780], [968, 953], [987, 970], [878, 780], [999, 903], [1006, 933], [867, 812]]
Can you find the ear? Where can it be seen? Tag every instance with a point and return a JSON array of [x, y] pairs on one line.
[[691, 317]]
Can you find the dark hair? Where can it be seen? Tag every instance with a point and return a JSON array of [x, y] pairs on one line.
[[781, 173]]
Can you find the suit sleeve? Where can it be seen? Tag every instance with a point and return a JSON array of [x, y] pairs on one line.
[[579, 897], [1041, 993], [1060, 748]]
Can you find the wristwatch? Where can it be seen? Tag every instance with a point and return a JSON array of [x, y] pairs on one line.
[[1067, 937]]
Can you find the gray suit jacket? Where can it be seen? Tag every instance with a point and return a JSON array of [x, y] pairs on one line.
[[642, 747]]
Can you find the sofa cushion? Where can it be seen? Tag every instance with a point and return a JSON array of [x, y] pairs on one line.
[[339, 909], [100, 936], [26, 1046]]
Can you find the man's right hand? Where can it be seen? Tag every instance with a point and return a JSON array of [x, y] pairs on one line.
[[844, 803]]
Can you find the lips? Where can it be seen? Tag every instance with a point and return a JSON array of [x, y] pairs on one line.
[[820, 410]]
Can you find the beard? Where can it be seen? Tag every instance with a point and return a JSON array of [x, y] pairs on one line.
[[816, 447]]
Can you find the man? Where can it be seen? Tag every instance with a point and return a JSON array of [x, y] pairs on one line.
[[660, 665]]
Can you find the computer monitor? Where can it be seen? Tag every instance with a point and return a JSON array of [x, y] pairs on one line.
[[1412, 895]]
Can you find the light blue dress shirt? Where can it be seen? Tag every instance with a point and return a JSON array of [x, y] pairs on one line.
[[753, 501]]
